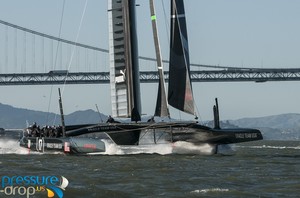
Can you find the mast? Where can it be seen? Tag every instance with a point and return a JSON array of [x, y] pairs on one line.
[[62, 115], [124, 68], [216, 115], [161, 102], [180, 93]]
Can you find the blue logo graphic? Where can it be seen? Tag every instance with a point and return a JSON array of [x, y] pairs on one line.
[[30, 185]]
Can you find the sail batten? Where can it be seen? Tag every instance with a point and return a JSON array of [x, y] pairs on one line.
[[180, 94]]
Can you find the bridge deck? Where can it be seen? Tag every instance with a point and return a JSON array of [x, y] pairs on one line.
[[226, 75]]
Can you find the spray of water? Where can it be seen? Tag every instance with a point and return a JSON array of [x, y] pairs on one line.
[[271, 147], [161, 148], [113, 149], [182, 147], [12, 147], [210, 190]]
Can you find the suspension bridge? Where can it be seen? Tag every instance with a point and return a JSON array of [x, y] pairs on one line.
[[30, 57]]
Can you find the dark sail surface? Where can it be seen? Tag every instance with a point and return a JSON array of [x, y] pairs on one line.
[[180, 93]]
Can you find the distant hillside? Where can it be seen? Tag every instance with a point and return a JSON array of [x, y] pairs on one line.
[[282, 127], [277, 127], [86, 116], [282, 121], [12, 118]]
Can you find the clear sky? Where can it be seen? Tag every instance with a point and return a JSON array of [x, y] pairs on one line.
[[242, 33]]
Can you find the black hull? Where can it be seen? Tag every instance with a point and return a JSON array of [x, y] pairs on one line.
[[129, 133], [85, 139], [125, 138], [119, 133], [66, 145], [221, 136]]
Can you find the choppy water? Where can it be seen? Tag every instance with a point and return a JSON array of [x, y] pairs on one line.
[[260, 169]]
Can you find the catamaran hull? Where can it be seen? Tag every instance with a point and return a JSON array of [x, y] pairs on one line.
[[129, 133], [87, 139], [125, 138], [230, 136], [70, 145]]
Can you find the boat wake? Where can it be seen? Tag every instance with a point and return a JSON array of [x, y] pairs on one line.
[[210, 190], [271, 147], [113, 149], [164, 148], [182, 147], [11, 147], [161, 148]]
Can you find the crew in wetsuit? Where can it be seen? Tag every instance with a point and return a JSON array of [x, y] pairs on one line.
[[151, 119], [110, 120], [34, 130]]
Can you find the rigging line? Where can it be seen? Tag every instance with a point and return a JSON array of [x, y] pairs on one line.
[[137, 129], [167, 25], [59, 34], [74, 48], [198, 115], [150, 126]]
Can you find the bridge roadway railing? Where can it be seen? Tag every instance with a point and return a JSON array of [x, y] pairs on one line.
[[225, 75]]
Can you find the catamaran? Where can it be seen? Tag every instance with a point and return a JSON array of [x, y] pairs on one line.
[[125, 94]]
